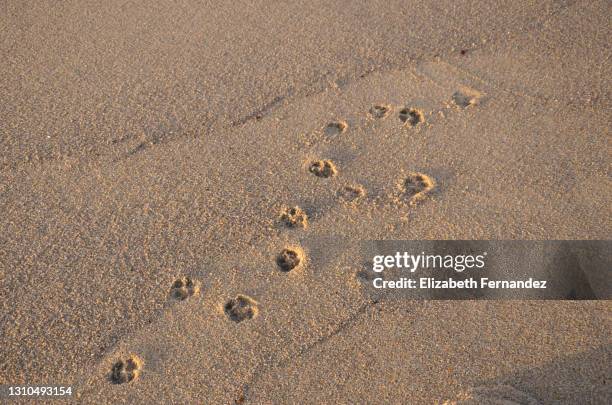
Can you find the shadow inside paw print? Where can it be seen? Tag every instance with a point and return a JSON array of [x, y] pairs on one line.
[[241, 308], [294, 217], [335, 128], [352, 193], [323, 168], [289, 259], [465, 97], [379, 111], [417, 185], [184, 288], [411, 116], [125, 371]]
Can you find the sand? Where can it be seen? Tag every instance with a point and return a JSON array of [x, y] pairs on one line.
[[149, 151]]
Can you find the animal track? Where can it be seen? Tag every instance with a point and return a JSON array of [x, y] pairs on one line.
[[352, 193], [184, 288], [411, 116], [335, 128], [289, 259], [417, 185], [323, 168], [379, 111], [240, 308], [125, 371], [294, 217], [466, 97]]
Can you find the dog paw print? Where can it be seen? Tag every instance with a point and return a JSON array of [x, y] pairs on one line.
[[183, 288], [335, 128], [294, 217], [417, 185], [466, 97], [411, 116], [352, 193], [289, 259], [379, 111], [323, 168], [126, 370], [240, 308]]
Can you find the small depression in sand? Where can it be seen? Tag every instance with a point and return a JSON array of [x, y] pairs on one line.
[[183, 288], [335, 128], [379, 111], [240, 308], [294, 217], [352, 193], [289, 259], [466, 97], [417, 185], [126, 370], [323, 168], [411, 116]]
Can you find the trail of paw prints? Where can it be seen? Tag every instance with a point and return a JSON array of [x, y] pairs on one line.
[[414, 188], [408, 117], [126, 370]]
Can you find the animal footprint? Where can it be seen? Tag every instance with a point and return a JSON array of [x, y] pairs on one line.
[[289, 259], [466, 97], [125, 371], [241, 308], [417, 185], [294, 217], [184, 288], [379, 111], [411, 116], [352, 193], [323, 168], [335, 128]]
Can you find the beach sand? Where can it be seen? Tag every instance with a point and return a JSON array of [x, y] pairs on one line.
[[152, 157]]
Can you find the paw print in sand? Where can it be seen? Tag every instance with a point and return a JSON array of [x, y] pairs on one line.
[[417, 185], [294, 217], [466, 97], [379, 111], [240, 308], [335, 128], [352, 193], [289, 259], [411, 116], [183, 288], [323, 168], [126, 370]]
